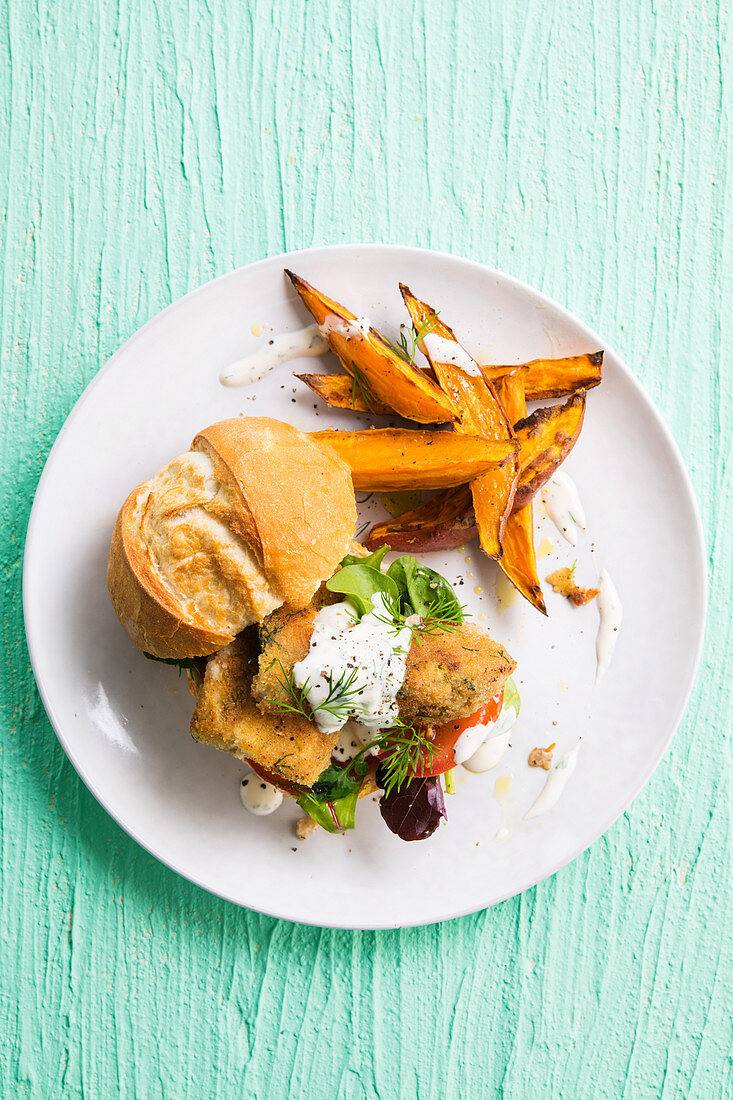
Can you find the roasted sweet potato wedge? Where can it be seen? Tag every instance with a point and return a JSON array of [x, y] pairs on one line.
[[519, 561], [343, 392], [546, 378], [547, 437], [380, 373], [382, 459], [441, 523], [480, 414], [447, 520]]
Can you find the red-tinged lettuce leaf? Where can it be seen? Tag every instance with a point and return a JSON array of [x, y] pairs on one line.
[[414, 810]]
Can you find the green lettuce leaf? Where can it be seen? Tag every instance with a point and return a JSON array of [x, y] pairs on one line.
[[359, 582], [323, 813]]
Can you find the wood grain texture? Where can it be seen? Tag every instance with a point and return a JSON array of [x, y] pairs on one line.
[[584, 148]]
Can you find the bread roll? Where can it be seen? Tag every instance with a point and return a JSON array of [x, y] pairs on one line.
[[255, 516]]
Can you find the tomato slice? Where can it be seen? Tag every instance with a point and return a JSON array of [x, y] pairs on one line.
[[444, 740], [282, 784]]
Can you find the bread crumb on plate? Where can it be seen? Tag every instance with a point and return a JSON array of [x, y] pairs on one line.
[[563, 582], [304, 826], [542, 758]]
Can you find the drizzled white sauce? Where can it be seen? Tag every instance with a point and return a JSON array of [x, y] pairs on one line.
[[289, 345], [561, 499], [487, 741], [557, 777], [258, 797], [333, 323], [369, 649], [611, 613], [441, 350]]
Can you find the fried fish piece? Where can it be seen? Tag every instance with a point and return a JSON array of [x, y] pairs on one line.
[[285, 638], [448, 675], [226, 717], [451, 675]]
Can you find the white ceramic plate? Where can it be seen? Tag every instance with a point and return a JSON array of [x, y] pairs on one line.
[[124, 721]]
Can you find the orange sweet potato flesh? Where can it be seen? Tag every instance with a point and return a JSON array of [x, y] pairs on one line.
[[384, 459], [544, 379], [342, 392], [480, 414], [547, 378], [446, 520], [379, 372], [519, 561], [547, 437]]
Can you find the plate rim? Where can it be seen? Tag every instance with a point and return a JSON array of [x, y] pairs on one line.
[[697, 535]]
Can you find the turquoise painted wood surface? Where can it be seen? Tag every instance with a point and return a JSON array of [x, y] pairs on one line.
[[148, 146]]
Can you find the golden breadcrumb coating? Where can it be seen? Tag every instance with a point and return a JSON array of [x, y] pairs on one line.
[[448, 675], [227, 718]]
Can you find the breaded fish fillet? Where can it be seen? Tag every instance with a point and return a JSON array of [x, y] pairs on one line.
[[227, 718], [448, 675]]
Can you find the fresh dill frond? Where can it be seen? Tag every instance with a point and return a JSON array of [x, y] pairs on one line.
[[402, 749], [409, 338], [280, 765], [360, 388], [299, 703], [405, 749], [445, 617], [394, 618], [341, 692]]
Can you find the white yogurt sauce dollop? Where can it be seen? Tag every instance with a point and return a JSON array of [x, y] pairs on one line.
[[557, 777], [611, 614], [439, 349], [289, 345], [369, 650], [259, 797], [562, 502]]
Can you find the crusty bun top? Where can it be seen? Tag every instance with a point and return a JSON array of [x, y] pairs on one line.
[[256, 515]]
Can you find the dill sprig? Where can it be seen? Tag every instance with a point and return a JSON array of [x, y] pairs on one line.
[[409, 338], [337, 703], [360, 388], [394, 618], [404, 750], [444, 617]]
